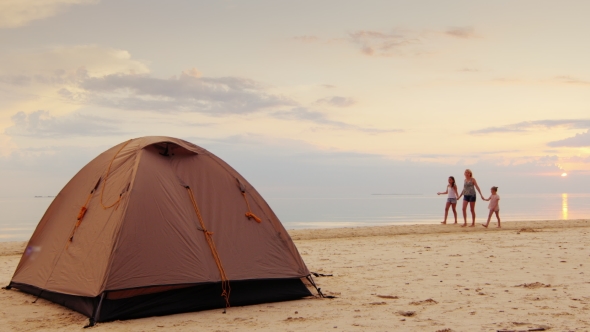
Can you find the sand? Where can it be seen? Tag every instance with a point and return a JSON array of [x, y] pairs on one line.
[[530, 275]]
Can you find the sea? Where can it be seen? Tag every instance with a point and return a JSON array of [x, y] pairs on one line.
[[20, 216]]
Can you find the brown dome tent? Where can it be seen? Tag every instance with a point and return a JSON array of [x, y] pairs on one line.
[[156, 226]]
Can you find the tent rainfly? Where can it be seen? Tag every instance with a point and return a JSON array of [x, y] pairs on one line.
[[156, 226]]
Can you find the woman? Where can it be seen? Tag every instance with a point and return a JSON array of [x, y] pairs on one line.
[[469, 196]]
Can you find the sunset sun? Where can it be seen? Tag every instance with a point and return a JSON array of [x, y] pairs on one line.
[[563, 174]]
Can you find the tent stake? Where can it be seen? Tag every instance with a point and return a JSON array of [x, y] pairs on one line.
[[96, 313]]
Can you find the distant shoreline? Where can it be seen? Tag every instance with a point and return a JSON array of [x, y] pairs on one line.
[[397, 194]]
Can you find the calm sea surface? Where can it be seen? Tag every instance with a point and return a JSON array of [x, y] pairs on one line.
[[20, 216]]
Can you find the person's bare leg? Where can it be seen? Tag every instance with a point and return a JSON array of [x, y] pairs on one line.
[[497, 216], [472, 208], [446, 212], [464, 213], [454, 205], [489, 217]]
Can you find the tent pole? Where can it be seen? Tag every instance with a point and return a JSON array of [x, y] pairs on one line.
[[95, 315]]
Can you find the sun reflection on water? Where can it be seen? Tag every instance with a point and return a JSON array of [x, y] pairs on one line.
[[564, 206]]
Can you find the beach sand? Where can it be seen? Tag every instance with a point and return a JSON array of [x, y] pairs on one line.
[[527, 275]]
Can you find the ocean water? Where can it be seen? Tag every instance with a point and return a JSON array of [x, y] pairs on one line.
[[20, 216], [376, 210]]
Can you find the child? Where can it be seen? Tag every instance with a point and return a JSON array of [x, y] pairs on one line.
[[494, 206], [451, 199]]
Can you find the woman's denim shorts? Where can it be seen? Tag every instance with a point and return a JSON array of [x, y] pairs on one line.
[[469, 198]]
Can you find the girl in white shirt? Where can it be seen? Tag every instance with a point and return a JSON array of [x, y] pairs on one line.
[[494, 206], [451, 198]]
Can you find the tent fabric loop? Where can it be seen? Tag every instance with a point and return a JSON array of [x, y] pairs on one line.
[[106, 177], [249, 214], [225, 286], [241, 186]]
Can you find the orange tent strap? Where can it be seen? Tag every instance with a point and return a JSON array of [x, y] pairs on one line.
[[81, 215], [225, 287]]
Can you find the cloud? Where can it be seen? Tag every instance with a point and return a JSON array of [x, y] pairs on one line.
[[16, 13], [563, 79], [535, 125], [402, 42], [298, 169], [507, 80], [385, 43], [92, 75], [461, 32], [479, 154], [311, 39], [469, 70], [304, 114], [18, 80], [61, 65], [337, 101], [436, 156], [571, 80], [186, 93], [307, 39], [579, 159], [52, 158], [43, 124], [580, 140], [57, 78], [287, 168], [45, 169]]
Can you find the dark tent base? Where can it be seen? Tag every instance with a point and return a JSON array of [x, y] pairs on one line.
[[193, 298]]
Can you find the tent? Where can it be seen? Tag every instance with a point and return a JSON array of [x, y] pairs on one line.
[[155, 226]]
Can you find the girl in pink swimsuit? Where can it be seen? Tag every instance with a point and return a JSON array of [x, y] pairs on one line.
[[494, 206]]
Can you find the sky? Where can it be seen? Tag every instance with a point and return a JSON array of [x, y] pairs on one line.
[[303, 98]]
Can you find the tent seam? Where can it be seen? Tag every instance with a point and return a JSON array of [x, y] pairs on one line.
[[139, 152]]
